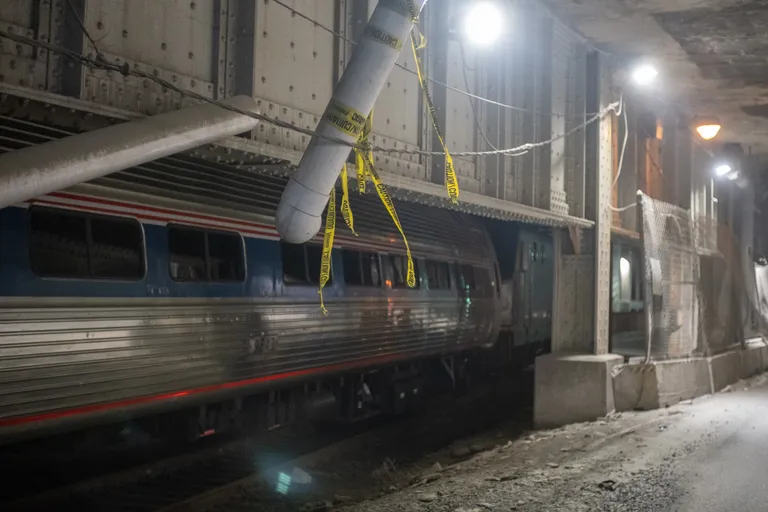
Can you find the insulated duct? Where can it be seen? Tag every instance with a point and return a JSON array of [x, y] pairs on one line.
[[301, 206], [38, 170]]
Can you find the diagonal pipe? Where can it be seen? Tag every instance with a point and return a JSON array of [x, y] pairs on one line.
[[38, 170]]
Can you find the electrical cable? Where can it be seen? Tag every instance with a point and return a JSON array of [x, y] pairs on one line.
[[85, 30], [126, 70], [623, 112], [472, 104], [410, 71]]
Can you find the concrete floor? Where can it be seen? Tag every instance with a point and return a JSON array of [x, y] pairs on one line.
[[704, 456]]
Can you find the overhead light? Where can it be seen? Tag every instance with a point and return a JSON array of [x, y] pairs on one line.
[[644, 74], [732, 176], [722, 169], [707, 128], [483, 23]]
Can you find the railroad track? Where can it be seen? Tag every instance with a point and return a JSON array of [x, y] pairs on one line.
[[266, 472]]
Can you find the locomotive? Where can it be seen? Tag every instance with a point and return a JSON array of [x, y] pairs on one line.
[[164, 295]]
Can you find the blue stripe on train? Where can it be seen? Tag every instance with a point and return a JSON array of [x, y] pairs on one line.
[[263, 279]]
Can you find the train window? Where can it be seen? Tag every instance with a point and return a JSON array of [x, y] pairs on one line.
[[439, 275], [398, 265], [468, 277], [198, 255], [78, 245], [361, 268], [301, 263]]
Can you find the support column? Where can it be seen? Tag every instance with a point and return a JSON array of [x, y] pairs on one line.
[[602, 198], [574, 387]]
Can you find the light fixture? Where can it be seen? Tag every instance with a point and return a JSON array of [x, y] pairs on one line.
[[733, 175], [708, 131], [644, 74], [722, 169], [483, 22]]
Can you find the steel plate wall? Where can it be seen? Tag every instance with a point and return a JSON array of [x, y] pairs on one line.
[[19, 64], [396, 120], [460, 125]]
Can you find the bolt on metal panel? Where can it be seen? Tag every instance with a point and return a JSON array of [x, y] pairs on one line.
[[173, 35], [603, 211], [293, 60], [20, 64], [396, 114]]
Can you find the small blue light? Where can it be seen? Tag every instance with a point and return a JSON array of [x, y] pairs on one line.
[[283, 483]]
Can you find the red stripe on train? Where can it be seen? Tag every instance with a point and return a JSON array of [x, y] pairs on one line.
[[87, 409]]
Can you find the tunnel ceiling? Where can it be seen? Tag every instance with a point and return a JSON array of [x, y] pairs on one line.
[[713, 54]]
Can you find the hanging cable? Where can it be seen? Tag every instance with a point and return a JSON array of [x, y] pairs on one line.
[[412, 72], [85, 30], [472, 104], [126, 70]]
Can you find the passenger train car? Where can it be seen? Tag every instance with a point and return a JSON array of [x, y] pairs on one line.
[[118, 304], [162, 295]]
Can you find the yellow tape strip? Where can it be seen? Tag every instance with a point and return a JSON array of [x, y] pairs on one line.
[[346, 210], [345, 119], [451, 182], [360, 156], [381, 189], [384, 37], [325, 262]]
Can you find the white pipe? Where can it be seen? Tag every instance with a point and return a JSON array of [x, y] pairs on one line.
[[38, 170], [301, 206]]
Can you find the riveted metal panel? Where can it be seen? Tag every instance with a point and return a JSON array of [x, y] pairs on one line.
[[19, 64], [575, 286], [293, 68], [173, 35], [17, 12], [396, 120], [294, 58], [140, 94], [603, 213], [460, 125]]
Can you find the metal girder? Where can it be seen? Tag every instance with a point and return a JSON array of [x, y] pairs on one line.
[[242, 150]]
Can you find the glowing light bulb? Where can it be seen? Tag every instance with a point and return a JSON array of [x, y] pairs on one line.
[[708, 131], [483, 24], [722, 169], [644, 74]]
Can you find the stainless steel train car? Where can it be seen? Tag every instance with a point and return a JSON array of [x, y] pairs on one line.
[[165, 288]]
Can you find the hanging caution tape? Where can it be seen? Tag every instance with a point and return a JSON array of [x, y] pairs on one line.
[[381, 190], [325, 262], [361, 155], [451, 183], [346, 210]]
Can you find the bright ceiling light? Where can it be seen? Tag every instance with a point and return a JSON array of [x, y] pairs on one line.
[[732, 176], [483, 23], [644, 74], [708, 131], [722, 169]]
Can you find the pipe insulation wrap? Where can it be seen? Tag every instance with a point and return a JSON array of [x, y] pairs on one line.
[[302, 203], [38, 170]]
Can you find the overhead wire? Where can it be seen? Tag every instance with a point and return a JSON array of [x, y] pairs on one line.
[[472, 104], [126, 70], [84, 30], [412, 72]]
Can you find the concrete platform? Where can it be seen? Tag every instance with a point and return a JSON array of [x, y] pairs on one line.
[[571, 388]]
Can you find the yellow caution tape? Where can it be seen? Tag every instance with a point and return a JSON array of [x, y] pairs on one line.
[[325, 262], [384, 37], [360, 156], [346, 210], [381, 189], [345, 119], [451, 182]]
